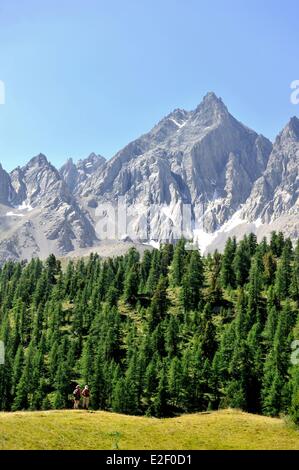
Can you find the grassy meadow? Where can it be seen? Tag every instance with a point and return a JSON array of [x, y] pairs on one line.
[[227, 429]]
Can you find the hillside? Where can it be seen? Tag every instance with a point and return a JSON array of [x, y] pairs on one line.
[[79, 430], [162, 335]]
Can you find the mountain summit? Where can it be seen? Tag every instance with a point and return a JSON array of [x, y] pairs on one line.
[[204, 158]]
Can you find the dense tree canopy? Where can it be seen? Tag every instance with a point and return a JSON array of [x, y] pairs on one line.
[[165, 333]]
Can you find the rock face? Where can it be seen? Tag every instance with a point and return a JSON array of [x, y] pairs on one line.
[[74, 175], [276, 192], [44, 216], [6, 190], [204, 158], [231, 180]]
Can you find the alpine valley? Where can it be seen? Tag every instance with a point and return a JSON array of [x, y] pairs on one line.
[[234, 179]]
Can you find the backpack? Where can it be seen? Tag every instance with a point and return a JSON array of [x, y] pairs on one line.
[[77, 393]]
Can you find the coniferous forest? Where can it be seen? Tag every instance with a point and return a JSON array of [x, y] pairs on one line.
[[169, 332]]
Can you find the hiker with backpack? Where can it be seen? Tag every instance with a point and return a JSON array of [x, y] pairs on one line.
[[77, 397], [86, 397]]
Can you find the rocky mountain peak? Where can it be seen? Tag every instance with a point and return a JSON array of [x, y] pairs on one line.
[[70, 162], [211, 110], [211, 101], [69, 174], [75, 174], [291, 131], [91, 163], [93, 157], [39, 160]]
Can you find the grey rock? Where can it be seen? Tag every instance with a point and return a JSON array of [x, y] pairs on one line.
[[204, 158], [46, 217], [233, 179], [6, 189], [75, 174], [276, 192]]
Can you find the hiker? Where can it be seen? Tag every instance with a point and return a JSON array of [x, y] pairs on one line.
[[86, 395], [77, 396]]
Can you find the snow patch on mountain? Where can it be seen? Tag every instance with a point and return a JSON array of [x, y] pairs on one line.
[[25, 206], [180, 125], [13, 214], [204, 239]]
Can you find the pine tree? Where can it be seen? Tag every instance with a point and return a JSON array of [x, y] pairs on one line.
[[131, 286], [178, 263], [161, 399], [283, 274], [151, 382], [17, 368], [294, 287], [175, 384], [154, 272], [145, 267], [277, 243], [228, 277], [98, 384], [208, 333], [270, 266], [119, 399], [214, 290], [132, 386], [172, 336], [159, 304], [87, 360], [6, 368], [255, 359], [252, 244], [24, 386], [241, 264], [192, 282], [254, 309], [275, 389]]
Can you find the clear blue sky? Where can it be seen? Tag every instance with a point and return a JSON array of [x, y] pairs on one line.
[[91, 75]]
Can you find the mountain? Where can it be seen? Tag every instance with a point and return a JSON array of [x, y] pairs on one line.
[[41, 216], [202, 164], [273, 203], [74, 174], [204, 158]]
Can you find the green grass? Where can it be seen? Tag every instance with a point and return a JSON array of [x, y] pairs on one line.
[[101, 430]]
